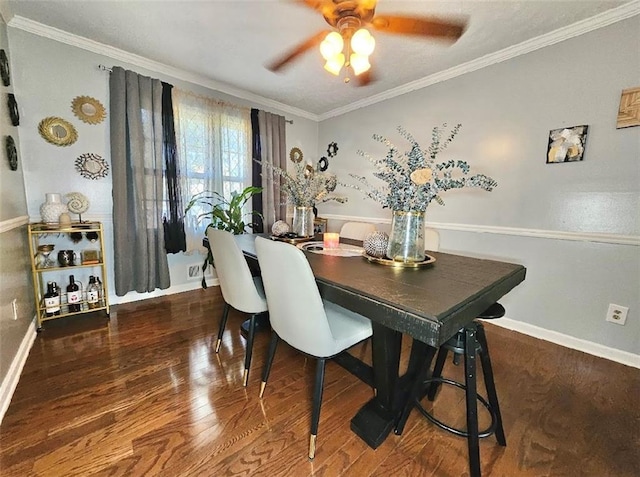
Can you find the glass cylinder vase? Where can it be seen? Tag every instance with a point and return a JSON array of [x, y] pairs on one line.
[[406, 241], [303, 221]]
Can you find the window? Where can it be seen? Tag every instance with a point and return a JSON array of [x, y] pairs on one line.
[[214, 153]]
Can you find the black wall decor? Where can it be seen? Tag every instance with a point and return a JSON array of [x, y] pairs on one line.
[[4, 68], [12, 153], [13, 110]]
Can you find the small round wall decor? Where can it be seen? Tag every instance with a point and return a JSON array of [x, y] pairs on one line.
[[92, 166], [4, 68], [323, 164], [57, 131], [295, 154], [332, 149], [12, 153], [88, 109], [12, 104]]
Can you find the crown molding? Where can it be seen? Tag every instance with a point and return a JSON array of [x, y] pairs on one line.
[[62, 36], [601, 20]]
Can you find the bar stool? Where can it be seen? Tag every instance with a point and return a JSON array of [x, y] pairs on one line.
[[470, 342]]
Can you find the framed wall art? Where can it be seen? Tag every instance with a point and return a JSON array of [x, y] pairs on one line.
[[319, 225], [566, 144], [629, 111]]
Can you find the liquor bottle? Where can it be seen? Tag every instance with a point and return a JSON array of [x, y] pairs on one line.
[[52, 300], [73, 295], [93, 294], [100, 289]]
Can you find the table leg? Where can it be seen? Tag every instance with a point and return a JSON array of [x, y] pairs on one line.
[[375, 420]]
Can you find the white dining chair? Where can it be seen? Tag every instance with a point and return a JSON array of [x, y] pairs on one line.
[[239, 289], [302, 318], [356, 230]]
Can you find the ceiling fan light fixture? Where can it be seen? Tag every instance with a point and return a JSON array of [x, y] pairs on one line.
[[331, 45], [362, 42], [334, 64], [359, 63]]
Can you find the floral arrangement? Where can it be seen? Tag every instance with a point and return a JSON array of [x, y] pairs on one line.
[[306, 187], [414, 178]]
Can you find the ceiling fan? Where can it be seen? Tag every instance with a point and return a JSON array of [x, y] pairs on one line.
[[349, 42]]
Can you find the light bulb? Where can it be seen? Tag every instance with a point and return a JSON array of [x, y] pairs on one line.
[[362, 42], [359, 63], [334, 65], [331, 45]]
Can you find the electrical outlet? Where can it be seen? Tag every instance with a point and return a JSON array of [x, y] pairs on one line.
[[617, 314], [194, 272]]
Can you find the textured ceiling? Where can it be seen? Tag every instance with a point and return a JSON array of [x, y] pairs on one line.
[[229, 42]]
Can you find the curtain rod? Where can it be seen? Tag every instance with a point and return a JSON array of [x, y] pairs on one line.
[[106, 68]]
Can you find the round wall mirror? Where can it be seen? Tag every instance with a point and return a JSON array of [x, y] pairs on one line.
[[88, 109], [58, 131]]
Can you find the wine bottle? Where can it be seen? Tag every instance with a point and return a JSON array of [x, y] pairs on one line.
[[73, 295], [93, 295], [52, 300]]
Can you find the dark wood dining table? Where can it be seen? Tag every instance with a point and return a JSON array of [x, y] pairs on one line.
[[429, 304]]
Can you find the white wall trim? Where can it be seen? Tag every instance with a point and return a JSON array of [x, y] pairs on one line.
[[10, 224], [62, 36], [10, 381], [623, 357], [183, 287], [618, 239], [584, 26]]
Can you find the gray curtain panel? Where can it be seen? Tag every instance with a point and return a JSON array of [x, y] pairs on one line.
[[273, 151], [136, 160]]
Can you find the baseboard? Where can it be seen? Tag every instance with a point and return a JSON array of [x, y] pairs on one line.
[[623, 357], [184, 287], [10, 381]]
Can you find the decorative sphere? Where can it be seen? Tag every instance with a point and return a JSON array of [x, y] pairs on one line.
[[375, 244], [280, 228]]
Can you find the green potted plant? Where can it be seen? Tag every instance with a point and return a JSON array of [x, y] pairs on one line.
[[224, 214]]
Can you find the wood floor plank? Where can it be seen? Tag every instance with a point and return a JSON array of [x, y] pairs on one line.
[[145, 394]]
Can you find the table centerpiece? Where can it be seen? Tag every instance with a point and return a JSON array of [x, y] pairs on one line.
[[414, 179]]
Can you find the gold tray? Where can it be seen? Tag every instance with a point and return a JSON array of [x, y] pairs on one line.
[[293, 241], [428, 261]]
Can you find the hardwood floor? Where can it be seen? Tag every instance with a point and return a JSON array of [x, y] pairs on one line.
[[146, 395]]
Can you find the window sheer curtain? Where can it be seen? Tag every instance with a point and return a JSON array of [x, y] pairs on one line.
[[213, 151], [273, 145], [140, 260]]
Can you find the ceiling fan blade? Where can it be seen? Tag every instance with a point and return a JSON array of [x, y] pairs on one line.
[[366, 78], [297, 51], [420, 26]]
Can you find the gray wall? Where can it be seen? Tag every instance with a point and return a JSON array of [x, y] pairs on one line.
[[51, 75], [15, 279], [507, 111]]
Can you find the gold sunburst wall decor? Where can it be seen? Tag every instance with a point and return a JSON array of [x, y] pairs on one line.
[[88, 109], [58, 131]]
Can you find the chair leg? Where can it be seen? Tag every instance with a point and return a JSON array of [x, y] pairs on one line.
[[317, 402], [490, 385], [223, 323], [273, 344], [472, 396], [247, 355], [437, 373]]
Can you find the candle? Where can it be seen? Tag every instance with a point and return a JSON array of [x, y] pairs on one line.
[[331, 240]]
